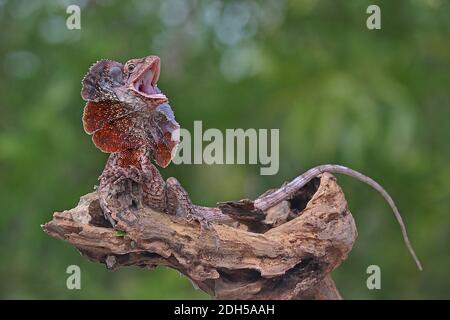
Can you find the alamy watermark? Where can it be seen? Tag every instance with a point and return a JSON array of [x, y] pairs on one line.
[[73, 281], [374, 280], [374, 20], [73, 21], [235, 146]]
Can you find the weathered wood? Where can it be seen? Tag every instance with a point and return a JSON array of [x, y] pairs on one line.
[[288, 254]]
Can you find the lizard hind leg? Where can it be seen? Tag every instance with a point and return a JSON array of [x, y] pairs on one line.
[[179, 203]]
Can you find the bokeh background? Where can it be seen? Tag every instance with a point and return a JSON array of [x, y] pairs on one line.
[[376, 101]]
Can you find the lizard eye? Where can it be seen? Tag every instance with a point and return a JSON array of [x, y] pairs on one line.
[[131, 67]]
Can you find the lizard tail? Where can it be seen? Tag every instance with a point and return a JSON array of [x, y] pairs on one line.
[[289, 189]]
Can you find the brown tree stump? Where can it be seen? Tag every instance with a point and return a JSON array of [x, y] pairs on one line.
[[284, 252]]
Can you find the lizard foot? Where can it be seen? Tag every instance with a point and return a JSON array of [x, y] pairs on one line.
[[205, 224], [179, 203]]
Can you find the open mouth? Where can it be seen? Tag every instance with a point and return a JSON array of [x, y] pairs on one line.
[[145, 82]]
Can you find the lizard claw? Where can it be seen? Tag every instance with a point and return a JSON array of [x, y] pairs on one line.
[[205, 225], [107, 215], [122, 174], [106, 211], [110, 219]]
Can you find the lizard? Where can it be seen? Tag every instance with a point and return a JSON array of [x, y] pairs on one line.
[[130, 118]]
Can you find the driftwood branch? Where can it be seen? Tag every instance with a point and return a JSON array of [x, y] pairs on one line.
[[284, 252]]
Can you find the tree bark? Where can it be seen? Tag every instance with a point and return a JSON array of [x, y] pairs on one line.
[[284, 252]]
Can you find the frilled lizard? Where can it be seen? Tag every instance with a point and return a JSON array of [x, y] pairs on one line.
[[129, 117]]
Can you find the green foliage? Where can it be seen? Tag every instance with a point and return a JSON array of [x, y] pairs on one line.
[[121, 233], [376, 101]]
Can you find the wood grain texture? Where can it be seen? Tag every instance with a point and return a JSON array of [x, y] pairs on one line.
[[286, 252]]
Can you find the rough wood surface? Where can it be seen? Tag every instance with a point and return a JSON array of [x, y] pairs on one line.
[[284, 252]]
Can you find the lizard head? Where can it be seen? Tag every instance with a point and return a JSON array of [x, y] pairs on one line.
[[134, 82]]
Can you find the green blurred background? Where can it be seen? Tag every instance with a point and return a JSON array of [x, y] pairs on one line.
[[376, 101]]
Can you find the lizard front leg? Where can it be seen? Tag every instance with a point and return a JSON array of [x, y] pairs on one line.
[[153, 187], [113, 180]]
